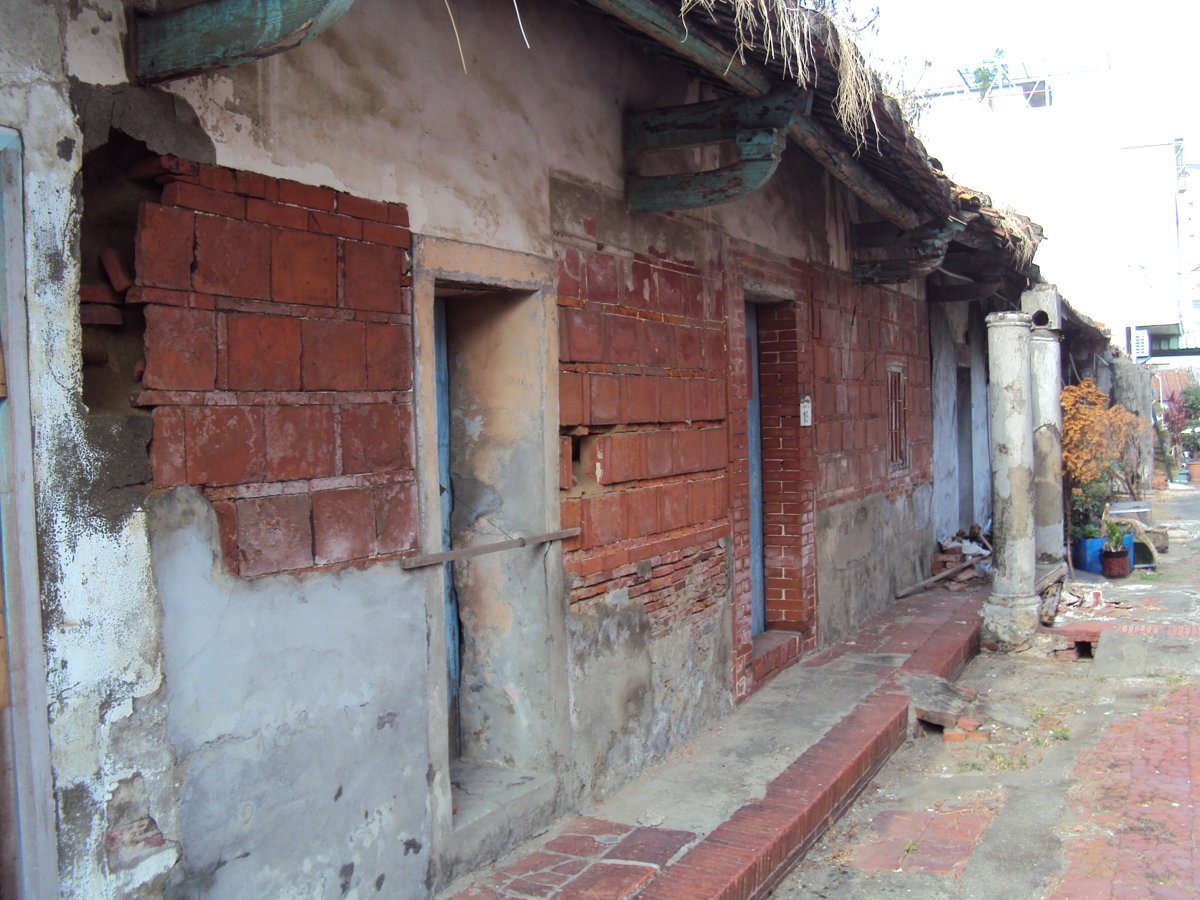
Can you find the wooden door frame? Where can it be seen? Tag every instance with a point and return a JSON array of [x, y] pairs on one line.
[[37, 861]]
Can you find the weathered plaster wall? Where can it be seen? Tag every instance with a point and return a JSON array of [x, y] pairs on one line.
[[866, 551], [1131, 387], [957, 340], [637, 694], [475, 166], [944, 377], [379, 107], [981, 437], [113, 778], [296, 713]]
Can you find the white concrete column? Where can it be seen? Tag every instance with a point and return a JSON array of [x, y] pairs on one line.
[[1010, 615], [1045, 363]]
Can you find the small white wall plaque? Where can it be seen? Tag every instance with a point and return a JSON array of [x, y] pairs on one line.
[[805, 411]]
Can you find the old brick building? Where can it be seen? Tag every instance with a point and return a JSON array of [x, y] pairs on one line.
[[417, 452]]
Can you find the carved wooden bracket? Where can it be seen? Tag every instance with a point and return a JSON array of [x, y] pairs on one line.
[[894, 256], [755, 127]]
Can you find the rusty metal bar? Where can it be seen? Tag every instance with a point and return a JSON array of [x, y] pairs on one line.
[[435, 559]]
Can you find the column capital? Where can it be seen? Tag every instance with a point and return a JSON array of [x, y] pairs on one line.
[[1009, 320]]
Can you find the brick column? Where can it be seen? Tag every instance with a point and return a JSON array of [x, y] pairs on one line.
[[1010, 615]]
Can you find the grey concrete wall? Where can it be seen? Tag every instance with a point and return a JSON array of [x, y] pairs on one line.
[[866, 551], [981, 434], [957, 340], [296, 712], [1131, 388], [636, 695], [944, 388]]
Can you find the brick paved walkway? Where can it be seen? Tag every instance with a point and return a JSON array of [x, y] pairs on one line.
[[1136, 824]]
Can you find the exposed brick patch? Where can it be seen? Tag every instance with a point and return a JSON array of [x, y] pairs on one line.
[[274, 534], [224, 445], [300, 442], [279, 358], [303, 268], [343, 525], [375, 438], [263, 353], [335, 355], [181, 348], [938, 841], [232, 258], [375, 277], [163, 250]]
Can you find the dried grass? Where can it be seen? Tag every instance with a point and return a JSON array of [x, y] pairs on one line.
[[1021, 234], [784, 30]]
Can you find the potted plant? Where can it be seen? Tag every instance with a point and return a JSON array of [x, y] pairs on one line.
[[1114, 555], [1087, 513]]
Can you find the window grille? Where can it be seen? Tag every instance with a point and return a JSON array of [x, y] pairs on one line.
[[897, 420]]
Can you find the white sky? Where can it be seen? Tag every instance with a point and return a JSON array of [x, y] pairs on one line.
[[1122, 76]]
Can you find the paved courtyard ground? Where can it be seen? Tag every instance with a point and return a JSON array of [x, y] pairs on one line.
[[1067, 778]]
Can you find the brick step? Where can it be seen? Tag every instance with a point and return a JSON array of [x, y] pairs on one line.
[[1090, 632], [744, 856]]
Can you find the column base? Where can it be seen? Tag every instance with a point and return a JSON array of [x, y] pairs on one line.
[[1010, 622]]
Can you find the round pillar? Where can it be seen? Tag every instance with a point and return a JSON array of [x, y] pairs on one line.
[[1010, 615], [1045, 363]]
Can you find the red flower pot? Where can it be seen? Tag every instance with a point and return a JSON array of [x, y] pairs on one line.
[[1114, 563]]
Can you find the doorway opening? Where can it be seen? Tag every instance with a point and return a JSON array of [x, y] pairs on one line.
[[491, 490]]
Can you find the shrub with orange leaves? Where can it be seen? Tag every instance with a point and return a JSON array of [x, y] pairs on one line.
[[1101, 442]]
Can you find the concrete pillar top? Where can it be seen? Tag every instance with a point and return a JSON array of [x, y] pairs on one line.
[[1009, 320]]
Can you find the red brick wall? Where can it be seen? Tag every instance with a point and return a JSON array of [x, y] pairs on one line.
[[642, 396], [858, 331], [279, 364], [646, 407]]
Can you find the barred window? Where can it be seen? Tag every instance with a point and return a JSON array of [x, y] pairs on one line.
[[897, 419]]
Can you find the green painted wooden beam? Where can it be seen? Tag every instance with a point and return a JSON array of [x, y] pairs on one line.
[[221, 33], [759, 151], [697, 124], [663, 24]]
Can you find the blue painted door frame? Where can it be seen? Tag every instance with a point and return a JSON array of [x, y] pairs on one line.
[[446, 498], [758, 611]]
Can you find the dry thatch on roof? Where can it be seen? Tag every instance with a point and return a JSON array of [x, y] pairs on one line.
[[784, 30]]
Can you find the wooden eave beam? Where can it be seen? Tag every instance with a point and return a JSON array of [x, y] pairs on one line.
[[666, 27], [974, 263], [956, 293], [217, 34], [903, 257], [753, 126]]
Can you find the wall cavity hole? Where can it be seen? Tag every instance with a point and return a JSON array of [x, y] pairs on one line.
[[1085, 650], [1040, 319], [925, 728]]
